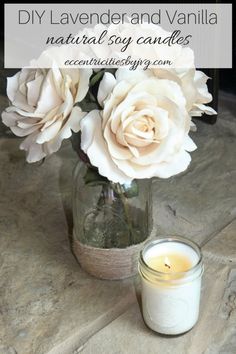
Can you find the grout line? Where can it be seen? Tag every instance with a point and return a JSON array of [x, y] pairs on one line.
[[77, 341], [84, 342], [215, 233]]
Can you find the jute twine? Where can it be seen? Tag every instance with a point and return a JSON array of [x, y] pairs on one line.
[[108, 263]]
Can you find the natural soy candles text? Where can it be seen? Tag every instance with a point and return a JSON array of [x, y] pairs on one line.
[[171, 271]]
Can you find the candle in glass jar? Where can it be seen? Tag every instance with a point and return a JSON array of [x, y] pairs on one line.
[[171, 270]]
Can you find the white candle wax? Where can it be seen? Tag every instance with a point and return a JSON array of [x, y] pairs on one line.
[[171, 270]]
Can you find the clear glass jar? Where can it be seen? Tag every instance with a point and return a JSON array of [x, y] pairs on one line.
[[170, 301], [107, 214]]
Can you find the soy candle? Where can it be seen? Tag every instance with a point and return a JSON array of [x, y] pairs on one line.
[[171, 270]]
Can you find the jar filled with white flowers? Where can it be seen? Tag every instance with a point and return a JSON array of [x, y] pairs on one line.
[[128, 127], [139, 131]]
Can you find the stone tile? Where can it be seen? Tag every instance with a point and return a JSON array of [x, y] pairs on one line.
[[7, 350], [128, 333], [201, 201], [45, 298], [222, 247], [4, 131], [224, 341]]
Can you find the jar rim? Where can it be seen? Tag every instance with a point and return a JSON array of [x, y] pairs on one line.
[[164, 239]]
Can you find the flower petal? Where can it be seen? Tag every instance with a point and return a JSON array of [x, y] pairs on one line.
[[179, 163], [49, 97], [12, 86], [132, 76], [83, 85], [105, 87], [96, 148], [34, 151], [188, 144], [49, 133], [206, 109]]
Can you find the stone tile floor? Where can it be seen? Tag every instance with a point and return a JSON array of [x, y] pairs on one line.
[[48, 305]]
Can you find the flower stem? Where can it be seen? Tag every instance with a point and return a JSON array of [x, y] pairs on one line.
[[126, 211]]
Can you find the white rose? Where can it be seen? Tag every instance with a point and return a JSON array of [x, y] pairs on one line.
[[142, 130], [43, 107], [194, 87]]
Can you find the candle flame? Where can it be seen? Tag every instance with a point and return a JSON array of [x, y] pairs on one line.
[[167, 262]]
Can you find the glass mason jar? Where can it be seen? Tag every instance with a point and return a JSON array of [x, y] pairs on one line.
[[170, 300], [109, 215]]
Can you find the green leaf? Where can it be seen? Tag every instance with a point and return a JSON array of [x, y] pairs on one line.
[[86, 105], [93, 178], [96, 77]]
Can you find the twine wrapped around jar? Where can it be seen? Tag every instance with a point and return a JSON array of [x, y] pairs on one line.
[[108, 263]]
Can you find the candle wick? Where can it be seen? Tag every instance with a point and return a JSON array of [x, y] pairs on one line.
[[167, 265]]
